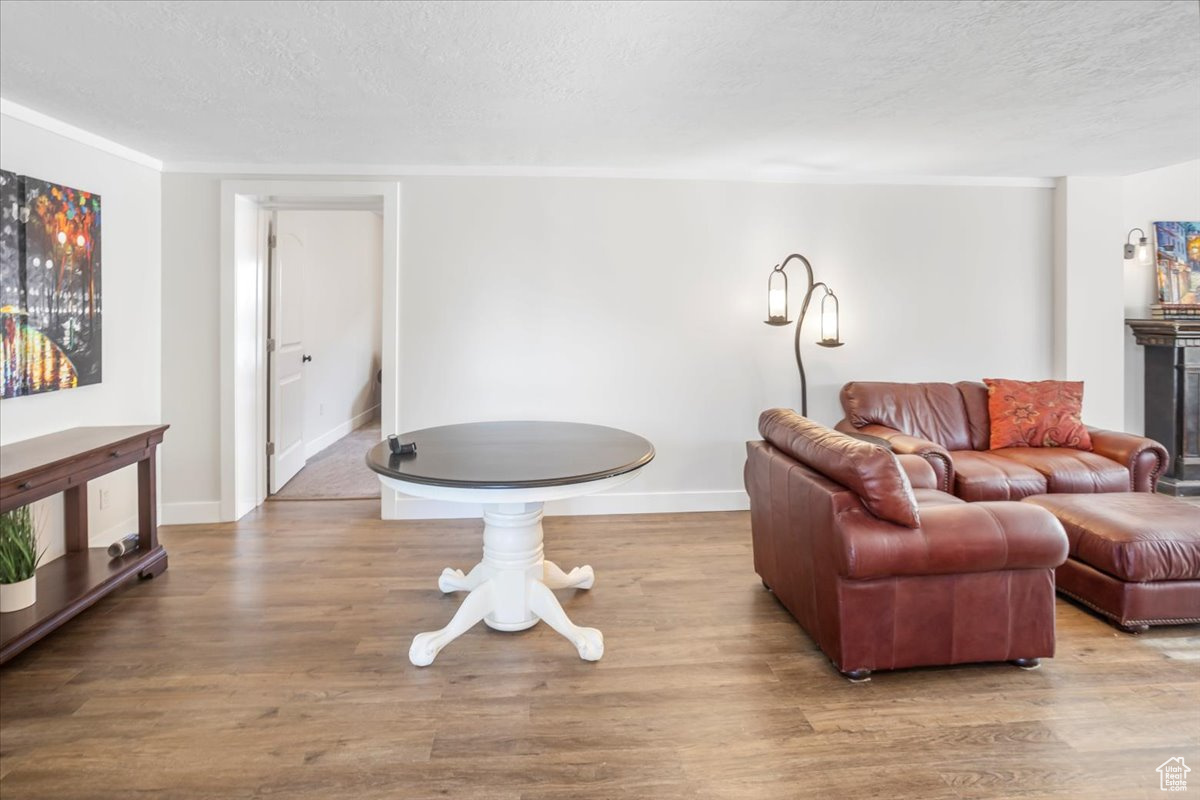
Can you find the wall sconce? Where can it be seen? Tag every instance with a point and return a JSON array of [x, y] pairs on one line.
[[777, 314], [1141, 250]]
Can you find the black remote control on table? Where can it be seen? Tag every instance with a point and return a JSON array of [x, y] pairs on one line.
[[400, 448]]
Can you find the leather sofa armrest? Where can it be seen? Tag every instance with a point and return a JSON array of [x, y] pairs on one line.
[[952, 540], [919, 471], [903, 444], [1145, 458]]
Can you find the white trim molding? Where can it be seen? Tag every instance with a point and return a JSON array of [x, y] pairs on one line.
[[19, 112], [114, 532], [335, 433], [205, 513], [730, 174], [243, 338]]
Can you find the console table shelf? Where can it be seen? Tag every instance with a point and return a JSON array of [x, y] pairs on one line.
[[64, 462]]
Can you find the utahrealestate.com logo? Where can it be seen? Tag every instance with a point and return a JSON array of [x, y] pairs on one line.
[[1172, 775]]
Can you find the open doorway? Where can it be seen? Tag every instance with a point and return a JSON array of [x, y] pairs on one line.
[[324, 352], [247, 210]]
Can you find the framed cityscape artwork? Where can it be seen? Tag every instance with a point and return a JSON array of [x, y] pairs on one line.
[[50, 311], [1177, 263]]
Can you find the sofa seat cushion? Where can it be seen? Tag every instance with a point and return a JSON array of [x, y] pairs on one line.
[[986, 476], [1071, 471], [954, 538], [1134, 536]]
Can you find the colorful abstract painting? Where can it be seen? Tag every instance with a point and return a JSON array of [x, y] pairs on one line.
[[50, 313], [1177, 254]]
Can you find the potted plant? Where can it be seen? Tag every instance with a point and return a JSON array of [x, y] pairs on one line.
[[19, 559]]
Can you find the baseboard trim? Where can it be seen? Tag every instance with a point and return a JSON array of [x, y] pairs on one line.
[[405, 507], [205, 513], [338, 431], [113, 532]]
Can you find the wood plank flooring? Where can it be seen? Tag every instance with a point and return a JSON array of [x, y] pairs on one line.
[[270, 660]]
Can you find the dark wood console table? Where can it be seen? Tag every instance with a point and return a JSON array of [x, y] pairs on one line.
[[64, 462], [1172, 387]]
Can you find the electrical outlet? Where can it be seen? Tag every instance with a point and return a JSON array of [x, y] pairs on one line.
[[105, 500]]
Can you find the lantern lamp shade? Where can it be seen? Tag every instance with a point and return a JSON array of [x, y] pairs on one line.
[[1143, 252], [830, 321], [777, 298]]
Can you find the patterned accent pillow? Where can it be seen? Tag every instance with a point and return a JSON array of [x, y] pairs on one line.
[[1037, 414]]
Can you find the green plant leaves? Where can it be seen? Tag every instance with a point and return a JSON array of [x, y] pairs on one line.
[[19, 556]]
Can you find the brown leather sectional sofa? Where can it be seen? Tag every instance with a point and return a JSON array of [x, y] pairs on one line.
[[949, 426], [886, 571]]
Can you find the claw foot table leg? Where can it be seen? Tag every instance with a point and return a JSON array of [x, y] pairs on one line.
[[453, 580], [478, 604], [588, 641], [578, 578]]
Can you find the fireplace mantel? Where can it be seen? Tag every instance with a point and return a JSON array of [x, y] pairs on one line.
[[1172, 392]]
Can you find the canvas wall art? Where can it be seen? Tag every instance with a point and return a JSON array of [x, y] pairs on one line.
[[50, 310], [1177, 256]]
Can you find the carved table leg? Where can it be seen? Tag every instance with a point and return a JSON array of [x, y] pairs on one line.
[[588, 641], [478, 604], [510, 588], [578, 578], [453, 580]]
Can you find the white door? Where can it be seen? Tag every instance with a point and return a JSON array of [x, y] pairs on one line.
[[285, 363]]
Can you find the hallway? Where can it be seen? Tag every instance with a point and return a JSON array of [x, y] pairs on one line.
[[339, 472]]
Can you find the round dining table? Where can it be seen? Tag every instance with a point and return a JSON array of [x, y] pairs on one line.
[[512, 469]]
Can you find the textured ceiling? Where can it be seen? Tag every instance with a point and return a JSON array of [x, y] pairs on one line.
[[918, 88]]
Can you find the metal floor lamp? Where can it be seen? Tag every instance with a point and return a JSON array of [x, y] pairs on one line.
[[777, 314]]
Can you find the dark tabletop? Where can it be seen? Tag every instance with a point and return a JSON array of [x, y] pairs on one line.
[[513, 455]]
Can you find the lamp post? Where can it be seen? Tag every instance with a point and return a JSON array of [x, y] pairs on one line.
[[777, 314]]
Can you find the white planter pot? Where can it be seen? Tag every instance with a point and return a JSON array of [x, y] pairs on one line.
[[15, 596]]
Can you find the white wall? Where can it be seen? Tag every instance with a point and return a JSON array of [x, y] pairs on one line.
[[1088, 318], [131, 271], [191, 487], [340, 255], [1170, 193], [639, 304]]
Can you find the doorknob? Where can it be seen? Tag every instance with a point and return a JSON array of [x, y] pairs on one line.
[[305, 358]]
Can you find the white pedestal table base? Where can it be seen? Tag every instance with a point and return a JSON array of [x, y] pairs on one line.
[[510, 589]]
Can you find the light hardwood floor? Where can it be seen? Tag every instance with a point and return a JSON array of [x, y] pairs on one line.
[[270, 660]]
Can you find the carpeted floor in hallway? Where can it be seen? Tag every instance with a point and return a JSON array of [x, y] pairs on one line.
[[339, 472]]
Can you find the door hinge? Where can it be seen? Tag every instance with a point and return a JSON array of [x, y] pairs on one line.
[[270, 448], [270, 345], [270, 240]]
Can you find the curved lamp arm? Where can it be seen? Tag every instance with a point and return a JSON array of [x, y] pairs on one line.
[[775, 320]]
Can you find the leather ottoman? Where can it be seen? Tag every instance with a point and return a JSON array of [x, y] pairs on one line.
[[1134, 556]]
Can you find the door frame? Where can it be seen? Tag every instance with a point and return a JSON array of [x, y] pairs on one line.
[[243, 349]]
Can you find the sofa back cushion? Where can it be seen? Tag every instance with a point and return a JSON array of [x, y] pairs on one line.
[[932, 411], [868, 470], [979, 423]]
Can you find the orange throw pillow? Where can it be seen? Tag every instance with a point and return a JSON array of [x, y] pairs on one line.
[[1037, 414]]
